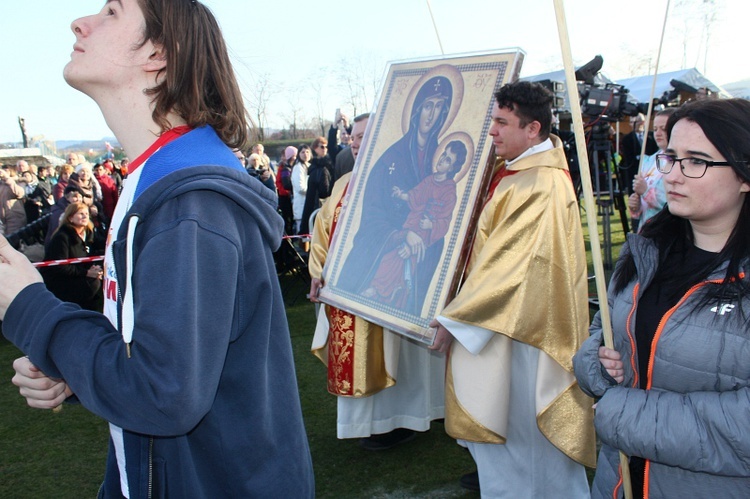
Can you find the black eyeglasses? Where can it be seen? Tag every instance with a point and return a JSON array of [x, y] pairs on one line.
[[323, 146], [690, 167]]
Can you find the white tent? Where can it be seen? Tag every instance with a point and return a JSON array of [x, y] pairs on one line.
[[739, 89], [640, 86]]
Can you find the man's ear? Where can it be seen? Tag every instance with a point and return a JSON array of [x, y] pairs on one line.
[[157, 61], [533, 129]]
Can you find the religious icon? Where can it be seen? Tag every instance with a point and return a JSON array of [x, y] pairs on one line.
[[397, 253]]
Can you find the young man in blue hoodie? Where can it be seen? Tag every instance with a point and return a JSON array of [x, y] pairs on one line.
[[191, 362]]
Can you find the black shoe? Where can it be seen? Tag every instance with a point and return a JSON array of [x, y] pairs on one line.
[[470, 481], [388, 440]]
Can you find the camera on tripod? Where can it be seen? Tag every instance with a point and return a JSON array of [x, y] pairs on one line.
[[608, 102]]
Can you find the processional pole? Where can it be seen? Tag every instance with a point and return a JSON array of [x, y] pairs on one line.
[[653, 89], [588, 196]]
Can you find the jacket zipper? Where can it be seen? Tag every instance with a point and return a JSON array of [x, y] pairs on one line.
[[654, 342], [150, 467]]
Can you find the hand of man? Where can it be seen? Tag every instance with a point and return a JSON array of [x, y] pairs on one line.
[[16, 272], [416, 245], [443, 338], [315, 285], [39, 390]]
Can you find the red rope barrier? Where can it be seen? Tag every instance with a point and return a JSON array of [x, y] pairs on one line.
[[87, 259], [69, 261]]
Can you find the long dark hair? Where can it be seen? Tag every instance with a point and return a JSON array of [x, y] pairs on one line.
[[726, 124], [199, 83], [299, 152]]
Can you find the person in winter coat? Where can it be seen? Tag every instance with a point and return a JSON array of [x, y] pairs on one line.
[[77, 283], [674, 392], [299, 185], [319, 181], [284, 188]]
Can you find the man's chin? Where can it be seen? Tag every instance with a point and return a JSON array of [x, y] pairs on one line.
[[71, 78]]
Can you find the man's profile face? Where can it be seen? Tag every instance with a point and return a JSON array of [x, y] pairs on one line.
[[358, 133], [430, 113], [510, 139], [107, 52]]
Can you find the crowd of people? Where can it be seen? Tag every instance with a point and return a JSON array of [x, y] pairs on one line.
[[204, 402], [303, 176], [35, 215]]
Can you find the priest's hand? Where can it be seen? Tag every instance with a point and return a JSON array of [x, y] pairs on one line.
[[443, 338], [16, 272], [40, 391], [315, 285]]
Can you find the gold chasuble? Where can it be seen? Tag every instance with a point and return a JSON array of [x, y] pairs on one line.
[[526, 281], [359, 364]]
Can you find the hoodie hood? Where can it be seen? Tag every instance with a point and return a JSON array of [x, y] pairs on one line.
[[246, 191], [199, 160]]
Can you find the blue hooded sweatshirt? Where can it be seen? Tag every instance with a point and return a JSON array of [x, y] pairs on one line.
[[205, 391]]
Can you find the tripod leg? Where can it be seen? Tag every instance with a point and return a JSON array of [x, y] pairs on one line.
[[620, 197]]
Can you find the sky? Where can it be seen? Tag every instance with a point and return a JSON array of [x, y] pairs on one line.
[[299, 46]]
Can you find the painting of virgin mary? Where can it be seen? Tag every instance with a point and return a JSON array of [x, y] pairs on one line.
[[407, 213], [403, 166]]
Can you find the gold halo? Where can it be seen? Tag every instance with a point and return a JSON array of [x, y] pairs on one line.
[[457, 83], [466, 139]]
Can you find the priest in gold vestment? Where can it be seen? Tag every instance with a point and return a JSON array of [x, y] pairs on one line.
[[520, 315], [387, 386]]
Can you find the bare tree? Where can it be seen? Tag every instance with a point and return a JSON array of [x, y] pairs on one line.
[[294, 116], [359, 78], [262, 91], [317, 87]]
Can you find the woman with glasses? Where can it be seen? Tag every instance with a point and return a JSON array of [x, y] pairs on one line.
[[319, 182], [674, 393]]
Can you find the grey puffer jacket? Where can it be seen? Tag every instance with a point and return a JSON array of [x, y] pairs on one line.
[[693, 425]]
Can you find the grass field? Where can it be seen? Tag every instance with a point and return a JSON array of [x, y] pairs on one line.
[[62, 455]]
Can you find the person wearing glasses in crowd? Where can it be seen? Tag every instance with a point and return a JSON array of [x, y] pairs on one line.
[[191, 363], [674, 393], [319, 181]]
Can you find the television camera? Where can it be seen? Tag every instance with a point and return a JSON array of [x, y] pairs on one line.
[[609, 102]]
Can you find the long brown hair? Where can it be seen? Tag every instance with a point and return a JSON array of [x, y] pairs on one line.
[[71, 210], [199, 83]]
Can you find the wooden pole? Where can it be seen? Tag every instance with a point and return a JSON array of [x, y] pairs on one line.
[[653, 89], [588, 196]]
